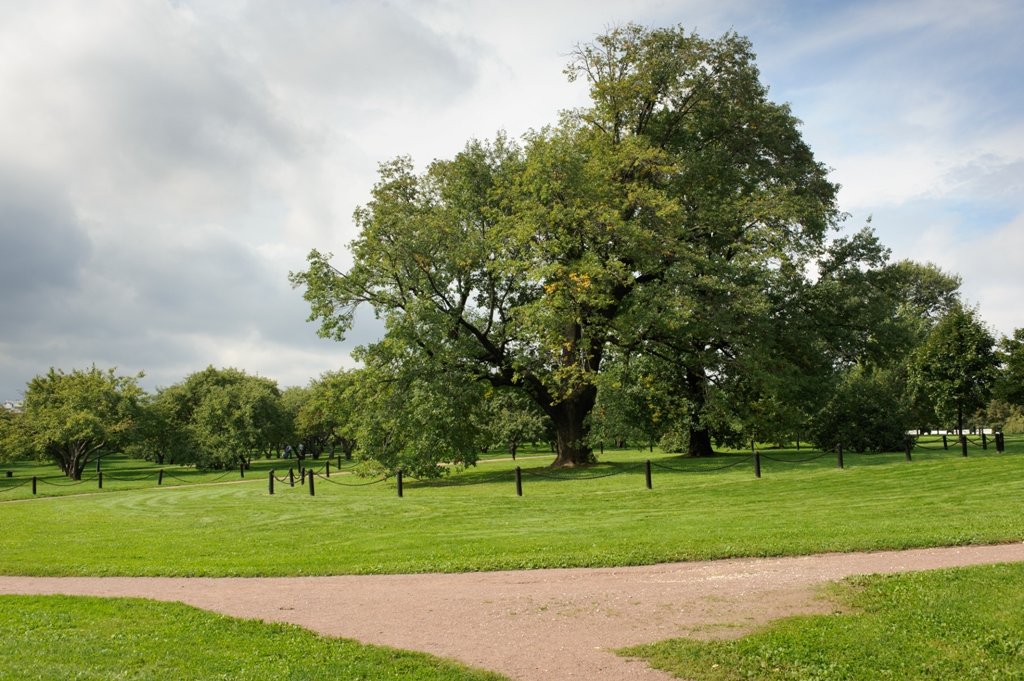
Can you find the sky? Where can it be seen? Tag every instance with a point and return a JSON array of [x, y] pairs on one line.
[[164, 164]]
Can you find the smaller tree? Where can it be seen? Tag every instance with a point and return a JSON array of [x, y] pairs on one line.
[[1009, 386], [228, 414], [414, 417], [956, 367], [512, 419], [73, 418], [326, 417], [157, 435]]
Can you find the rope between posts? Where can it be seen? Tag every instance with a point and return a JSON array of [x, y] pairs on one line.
[[107, 476], [812, 458], [702, 470], [20, 484], [62, 484], [549, 476], [351, 484], [918, 445]]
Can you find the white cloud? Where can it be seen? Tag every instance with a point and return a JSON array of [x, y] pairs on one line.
[[163, 165]]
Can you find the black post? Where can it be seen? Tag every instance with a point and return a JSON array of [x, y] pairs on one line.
[[160, 477], [327, 468], [99, 477], [909, 445], [984, 440], [945, 444], [1000, 443], [97, 464], [291, 477], [33, 484], [241, 469], [270, 481], [963, 444], [339, 460], [399, 482], [519, 481], [839, 454], [757, 464], [302, 475], [647, 472], [312, 492]]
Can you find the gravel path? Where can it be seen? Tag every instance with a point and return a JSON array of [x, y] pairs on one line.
[[539, 624]]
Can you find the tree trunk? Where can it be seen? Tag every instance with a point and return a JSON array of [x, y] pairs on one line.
[[571, 430], [700, 436], [700, 442]]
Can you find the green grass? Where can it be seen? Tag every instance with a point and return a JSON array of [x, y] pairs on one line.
[[944, 625], [62, 637], [475, 521]]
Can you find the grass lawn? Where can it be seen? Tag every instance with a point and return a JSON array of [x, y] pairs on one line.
[[697, 509], [947, 625], [63, 637]]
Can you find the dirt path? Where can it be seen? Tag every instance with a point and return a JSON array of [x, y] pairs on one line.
[[539, 624]]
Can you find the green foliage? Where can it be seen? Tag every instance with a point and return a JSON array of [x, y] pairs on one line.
[[93, 639], [509, 418], [1002, 416], [157, 434], [72, 418], [867, 413], [943, 625], [1009, 387], [228, 415], [415, 418], [659, 219], [326, 417], [956, 366], [9, 445]]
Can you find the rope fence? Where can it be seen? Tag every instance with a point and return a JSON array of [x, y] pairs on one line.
[[797, 461], [307, 476], [744, 459]]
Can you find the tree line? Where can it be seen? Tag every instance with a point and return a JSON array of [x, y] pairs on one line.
[[388, 418], [664, 265]]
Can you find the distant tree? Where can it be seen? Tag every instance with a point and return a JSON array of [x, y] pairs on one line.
[[158, 436], [956, 367], [1009, 386], [230, 415], [9, 445], [867, 413], [325, 416], [414, 417], [73, 418], [511, 419]]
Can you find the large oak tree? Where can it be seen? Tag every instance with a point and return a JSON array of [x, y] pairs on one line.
[[663, 218]]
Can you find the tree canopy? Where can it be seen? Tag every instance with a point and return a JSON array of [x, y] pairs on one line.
[[956, 366], [227, 415], [74, 417], [666, 217]]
